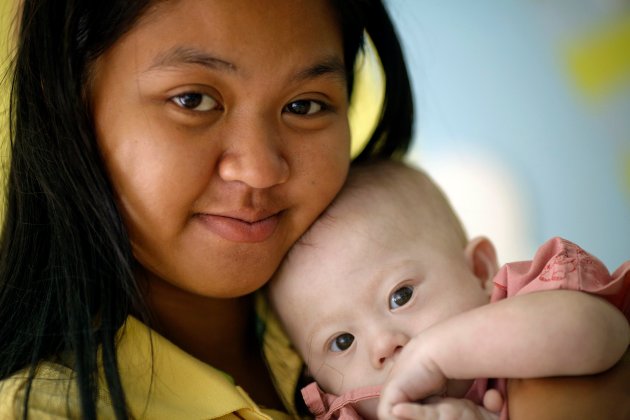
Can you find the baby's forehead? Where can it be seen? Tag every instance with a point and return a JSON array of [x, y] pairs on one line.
[[368, 208], [340, 228]]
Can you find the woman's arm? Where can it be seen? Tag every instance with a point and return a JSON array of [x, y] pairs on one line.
[[605, 395]]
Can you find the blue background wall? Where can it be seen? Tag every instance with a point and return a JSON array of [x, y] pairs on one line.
[[523, 111]]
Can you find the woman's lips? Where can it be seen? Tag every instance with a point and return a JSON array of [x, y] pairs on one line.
[[238, 230]]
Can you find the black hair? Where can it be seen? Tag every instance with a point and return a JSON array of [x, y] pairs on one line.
[[65, 262], [394, 131], [66, 266]]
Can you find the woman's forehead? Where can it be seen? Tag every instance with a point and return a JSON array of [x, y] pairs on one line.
[[239, 36], [234, 22]]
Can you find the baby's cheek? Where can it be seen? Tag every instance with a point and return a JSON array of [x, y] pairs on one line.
[[329, 378]]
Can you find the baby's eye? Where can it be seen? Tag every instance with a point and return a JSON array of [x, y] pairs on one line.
[[400, 297], [195, 101], [342, 342], [305, 107]]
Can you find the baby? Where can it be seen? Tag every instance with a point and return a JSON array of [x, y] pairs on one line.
[[386, 289]]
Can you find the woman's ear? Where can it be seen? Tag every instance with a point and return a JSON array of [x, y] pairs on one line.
[[482, 260]]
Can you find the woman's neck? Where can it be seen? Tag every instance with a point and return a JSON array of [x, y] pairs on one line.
[[215, 331], [219, 332]]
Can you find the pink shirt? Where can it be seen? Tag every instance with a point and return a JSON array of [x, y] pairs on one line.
[[558, 264]]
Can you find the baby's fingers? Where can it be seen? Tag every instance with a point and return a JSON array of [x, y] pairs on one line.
[[389, 399], [445, 409], [409, 411], [493, 400]]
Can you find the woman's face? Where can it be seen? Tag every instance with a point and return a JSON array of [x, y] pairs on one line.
[[223, 126]]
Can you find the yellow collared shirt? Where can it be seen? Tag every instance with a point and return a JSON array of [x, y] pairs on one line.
[[160, 380]]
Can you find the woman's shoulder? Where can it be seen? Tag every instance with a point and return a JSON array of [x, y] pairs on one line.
[[46, 396], [52, 393]]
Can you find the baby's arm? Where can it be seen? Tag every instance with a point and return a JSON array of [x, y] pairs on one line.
[[540, 334]]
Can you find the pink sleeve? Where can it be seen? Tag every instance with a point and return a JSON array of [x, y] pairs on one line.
[[560, 264]]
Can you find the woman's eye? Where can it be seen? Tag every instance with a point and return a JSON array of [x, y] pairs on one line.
[[305, 107], [194, 101], [400, 297], [342, 342]]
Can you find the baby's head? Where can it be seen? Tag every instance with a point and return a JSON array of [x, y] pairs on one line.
[[387, 259]]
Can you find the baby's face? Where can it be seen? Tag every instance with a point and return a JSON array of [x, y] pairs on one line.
[[354, 294]]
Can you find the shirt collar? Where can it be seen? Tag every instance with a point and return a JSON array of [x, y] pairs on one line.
[[162, 381]]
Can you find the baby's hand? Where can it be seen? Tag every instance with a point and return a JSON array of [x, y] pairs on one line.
[[493, 400], [414, 377], [440, 409]]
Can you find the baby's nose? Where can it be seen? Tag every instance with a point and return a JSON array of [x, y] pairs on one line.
[[386, 348]]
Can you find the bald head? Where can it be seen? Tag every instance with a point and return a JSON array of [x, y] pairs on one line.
[[393, 195]]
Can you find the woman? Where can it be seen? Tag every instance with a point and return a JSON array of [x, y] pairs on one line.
[[165, 155]]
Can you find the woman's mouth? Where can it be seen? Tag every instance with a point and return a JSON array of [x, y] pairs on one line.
[[235, 229]]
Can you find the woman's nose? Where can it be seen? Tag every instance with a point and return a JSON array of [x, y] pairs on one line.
[[253, 154], [385, 347]]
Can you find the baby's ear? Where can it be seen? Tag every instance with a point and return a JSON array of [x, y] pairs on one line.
[[482, 260]]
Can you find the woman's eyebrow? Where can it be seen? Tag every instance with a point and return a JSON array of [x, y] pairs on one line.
[[178, 56], [331, 65]]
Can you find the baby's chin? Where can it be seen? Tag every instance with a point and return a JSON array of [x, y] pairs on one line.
[[367, 408]]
